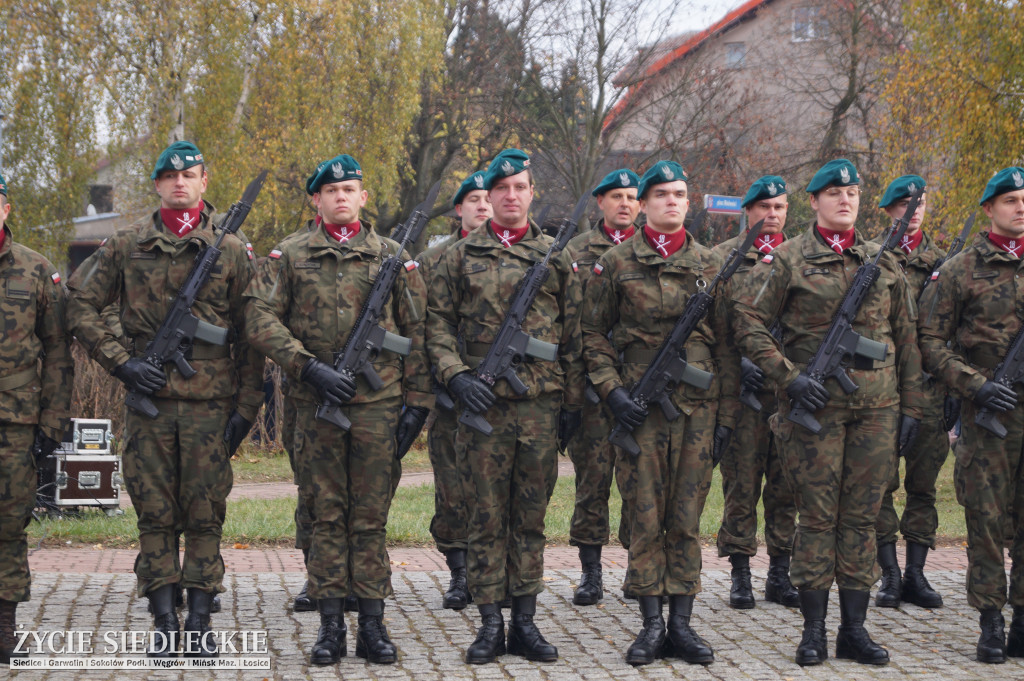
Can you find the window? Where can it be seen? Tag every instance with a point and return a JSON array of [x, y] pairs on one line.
[[809, 23], [734, 55], [101, 196]]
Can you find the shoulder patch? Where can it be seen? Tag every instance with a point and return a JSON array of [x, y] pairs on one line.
[[248, 250], [410, 265], [598, 268], [768, 258], [56, 277], [935, 275], [275, 254], [575, 267]]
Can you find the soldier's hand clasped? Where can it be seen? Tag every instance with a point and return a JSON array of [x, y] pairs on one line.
[[628, 413], [751, 375], [474, 393], [807, 392], [996, 396], [140, 376], [333, 386]]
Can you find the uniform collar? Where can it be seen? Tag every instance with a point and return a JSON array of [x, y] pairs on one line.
[[686, 257], [813, 247], [153, 234], [483, 238], [5, 250], [366, 241]]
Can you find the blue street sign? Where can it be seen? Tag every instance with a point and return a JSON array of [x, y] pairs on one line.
[[716, 203]]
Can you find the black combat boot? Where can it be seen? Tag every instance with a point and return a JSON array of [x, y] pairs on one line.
[[215, 605], [199, 642], [524, 639], [916, 588], [853, 642], [813, 648], [682, 641], [1015, 639], [992, 642], [165, 622], [179, 599], [650, 643], [302, 602], [372, 640], [8, 632], [457, 596], [591, 588], [741, 595], [351, 603], [778, 588], [888, 595], [330, 640], [490, 638]]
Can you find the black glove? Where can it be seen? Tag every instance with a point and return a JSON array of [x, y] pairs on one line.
[[236, 430], [950, 412], [629, 414], [722, 436], [807, 392], [474, 393], [43, 447], [333, 386], [996, 396], [751, 376], [568, 423], [908, 433], [410, 423], [140, 376]]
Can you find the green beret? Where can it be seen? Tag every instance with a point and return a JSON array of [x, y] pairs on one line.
[[338, 169], [766, 187], [3, 185], [617, 179], [660, 173], [472, 183], [506, 164], [1006, 180], [837, 173], [178, 156], [901, 188]]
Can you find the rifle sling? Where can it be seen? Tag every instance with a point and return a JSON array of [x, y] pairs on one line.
[[634, 355]]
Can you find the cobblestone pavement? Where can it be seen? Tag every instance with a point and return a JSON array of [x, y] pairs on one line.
[[749, 644]]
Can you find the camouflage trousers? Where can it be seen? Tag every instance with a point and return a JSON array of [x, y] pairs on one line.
[[448, 526], [838, 478], [923, 463], [178, 475], [670, 480], [509, 475], [17, 499], [348, 479], [593, 458], [990, 487], [751, 457], [303, 512]]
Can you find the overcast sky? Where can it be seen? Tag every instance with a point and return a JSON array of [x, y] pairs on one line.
[[693, 15]]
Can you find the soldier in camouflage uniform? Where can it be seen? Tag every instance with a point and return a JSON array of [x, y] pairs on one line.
[[636, 293], [752, 454], [840, 474], [510, 473], [302, 306], [35, 391], [918, 255], [975, 301], [449, 524], [177, 465], [592, 455]]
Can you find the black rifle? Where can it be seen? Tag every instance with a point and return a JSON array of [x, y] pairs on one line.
[[180, 328], [511, 344], [841, 342], [669, 367], [368, 338], [1009, 372]]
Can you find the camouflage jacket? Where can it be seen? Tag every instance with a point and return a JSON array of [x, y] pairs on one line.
[[802, 285], [36, 373], [587, 247], [633, 300], [470, 292], [767, 394], [918, 268], [143, 267], [306, 297], [975, 301]]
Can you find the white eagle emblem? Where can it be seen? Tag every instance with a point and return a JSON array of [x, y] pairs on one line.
[[912, 188], [772, 189], [844, 174], [479, 180], [337, 169], [1018, 181], [177, 162], [507, 168], [624, 179], [667, 172]]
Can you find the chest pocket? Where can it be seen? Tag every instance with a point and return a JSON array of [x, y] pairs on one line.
[[18, 288]]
